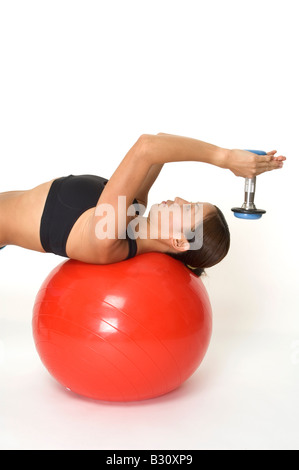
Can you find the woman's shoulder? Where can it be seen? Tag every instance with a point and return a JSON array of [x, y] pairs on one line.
[[84, 243]]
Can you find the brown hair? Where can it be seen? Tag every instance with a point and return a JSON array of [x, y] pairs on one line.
[[216, 243]]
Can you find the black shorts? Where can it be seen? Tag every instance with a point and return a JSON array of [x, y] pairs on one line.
[[69, 197]]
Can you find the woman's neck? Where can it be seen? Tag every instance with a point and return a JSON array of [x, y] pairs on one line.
[[146, 242]]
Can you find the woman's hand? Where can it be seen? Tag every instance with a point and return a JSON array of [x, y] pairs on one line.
[[248, 164]]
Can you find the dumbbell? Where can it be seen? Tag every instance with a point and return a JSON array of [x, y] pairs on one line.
[[248, 209]]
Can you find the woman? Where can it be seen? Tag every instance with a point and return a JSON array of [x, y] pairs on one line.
[[69, 216]]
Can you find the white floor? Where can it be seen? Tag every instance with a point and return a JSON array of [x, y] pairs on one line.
[[244, 396]]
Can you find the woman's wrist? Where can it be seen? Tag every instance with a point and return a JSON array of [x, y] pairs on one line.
[[222, 158]]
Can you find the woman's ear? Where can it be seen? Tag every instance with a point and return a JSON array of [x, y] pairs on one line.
[[180, 244]]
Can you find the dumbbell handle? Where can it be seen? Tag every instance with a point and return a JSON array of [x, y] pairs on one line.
[[250, 185], [248, 209], [249, 193]]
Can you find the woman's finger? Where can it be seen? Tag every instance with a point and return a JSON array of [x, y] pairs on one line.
[[269, 166], [280, 158], [261, 159]]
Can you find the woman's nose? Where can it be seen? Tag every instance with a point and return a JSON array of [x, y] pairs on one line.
[[179, 200]]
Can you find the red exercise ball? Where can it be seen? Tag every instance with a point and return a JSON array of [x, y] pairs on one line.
[[122, 332]]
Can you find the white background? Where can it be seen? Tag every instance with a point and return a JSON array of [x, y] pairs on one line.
[[79, 82]]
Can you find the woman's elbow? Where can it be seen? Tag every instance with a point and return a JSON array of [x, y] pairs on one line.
[[146, 145], [145, 141]]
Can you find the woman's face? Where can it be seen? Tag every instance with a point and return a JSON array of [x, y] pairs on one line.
[[176, 219]]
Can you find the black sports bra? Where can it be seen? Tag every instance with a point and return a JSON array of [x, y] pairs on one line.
[[69, 197]]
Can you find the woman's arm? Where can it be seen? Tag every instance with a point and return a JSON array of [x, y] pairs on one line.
[[166, 148], [134, 176], [142, 195], [152, 175], [170, 148], [155, 170], [141, 165], [111, 212]]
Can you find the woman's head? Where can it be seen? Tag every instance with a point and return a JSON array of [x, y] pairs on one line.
[[198, 234]]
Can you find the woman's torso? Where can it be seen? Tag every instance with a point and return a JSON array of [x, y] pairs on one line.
[[20, 217]]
